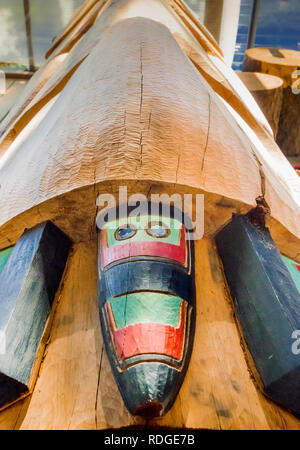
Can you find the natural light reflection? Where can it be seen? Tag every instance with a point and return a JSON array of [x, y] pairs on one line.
[[9, 41], [47, 18], [27, 131]]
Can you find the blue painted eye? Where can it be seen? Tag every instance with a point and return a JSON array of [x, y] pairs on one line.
[[158, 230], [125, 232]]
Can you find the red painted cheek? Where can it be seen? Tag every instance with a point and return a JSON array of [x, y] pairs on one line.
[[150, 248]]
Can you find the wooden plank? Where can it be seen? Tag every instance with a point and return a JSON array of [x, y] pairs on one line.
[[28, 284], [267, 304]]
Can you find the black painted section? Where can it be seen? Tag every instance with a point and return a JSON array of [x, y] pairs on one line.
[[145, 276], [267, 304], [27, 287]]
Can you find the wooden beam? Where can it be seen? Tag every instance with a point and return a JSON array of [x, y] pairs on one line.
[[28, 284], [267, 304]]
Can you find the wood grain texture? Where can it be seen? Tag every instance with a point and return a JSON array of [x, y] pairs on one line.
[[135, 122], [77, 20], [143, 98], [267, 91], [28, 284], [76, 389], [32, 87], [282, 63], [79, 30]]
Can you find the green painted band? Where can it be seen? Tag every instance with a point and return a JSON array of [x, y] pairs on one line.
[[294, 272], [4, 255], [146, 307]]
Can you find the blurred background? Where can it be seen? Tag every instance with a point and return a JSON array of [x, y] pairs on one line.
[[236, 25], [47, 19]]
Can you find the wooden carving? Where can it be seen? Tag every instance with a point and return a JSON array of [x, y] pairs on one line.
[[28, 282], [265, 288], [136, 93], [147, 307]]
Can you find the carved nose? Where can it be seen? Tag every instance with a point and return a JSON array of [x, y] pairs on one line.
[[149, 388]]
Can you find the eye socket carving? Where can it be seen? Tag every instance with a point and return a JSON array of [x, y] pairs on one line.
[[158, 230], [124, 232]]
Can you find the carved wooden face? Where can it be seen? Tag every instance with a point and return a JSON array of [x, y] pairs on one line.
[[146, 293]]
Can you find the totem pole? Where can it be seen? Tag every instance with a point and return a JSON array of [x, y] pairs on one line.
[[185, 314]]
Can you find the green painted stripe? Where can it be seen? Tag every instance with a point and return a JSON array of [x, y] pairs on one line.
[[141, 235], [142, 307], [294, 272], [4, 255]]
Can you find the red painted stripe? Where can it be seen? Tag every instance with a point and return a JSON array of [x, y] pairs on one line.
[[154, 338], [148, 248], [297, 267]]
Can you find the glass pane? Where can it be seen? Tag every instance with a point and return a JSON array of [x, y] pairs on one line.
[[278, 24], [48, 18]]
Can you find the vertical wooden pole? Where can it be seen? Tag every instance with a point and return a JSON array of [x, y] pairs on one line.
[[213, 17], [221, 19]]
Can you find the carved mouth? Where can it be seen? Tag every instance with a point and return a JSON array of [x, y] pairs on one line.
[[150, 409], [140, 332]]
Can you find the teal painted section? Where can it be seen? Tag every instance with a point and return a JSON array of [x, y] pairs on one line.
[[146, 307], [141, 235], [295, 274], [4, 255]]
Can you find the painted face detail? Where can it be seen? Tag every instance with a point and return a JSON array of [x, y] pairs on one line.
[[147, 238], [146, 293]]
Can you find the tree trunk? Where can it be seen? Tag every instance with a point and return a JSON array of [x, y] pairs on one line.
[[267, 91], [284, 64]]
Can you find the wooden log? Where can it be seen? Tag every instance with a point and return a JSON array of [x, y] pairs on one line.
[[267, 91], [284, 64], [142, 99]]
